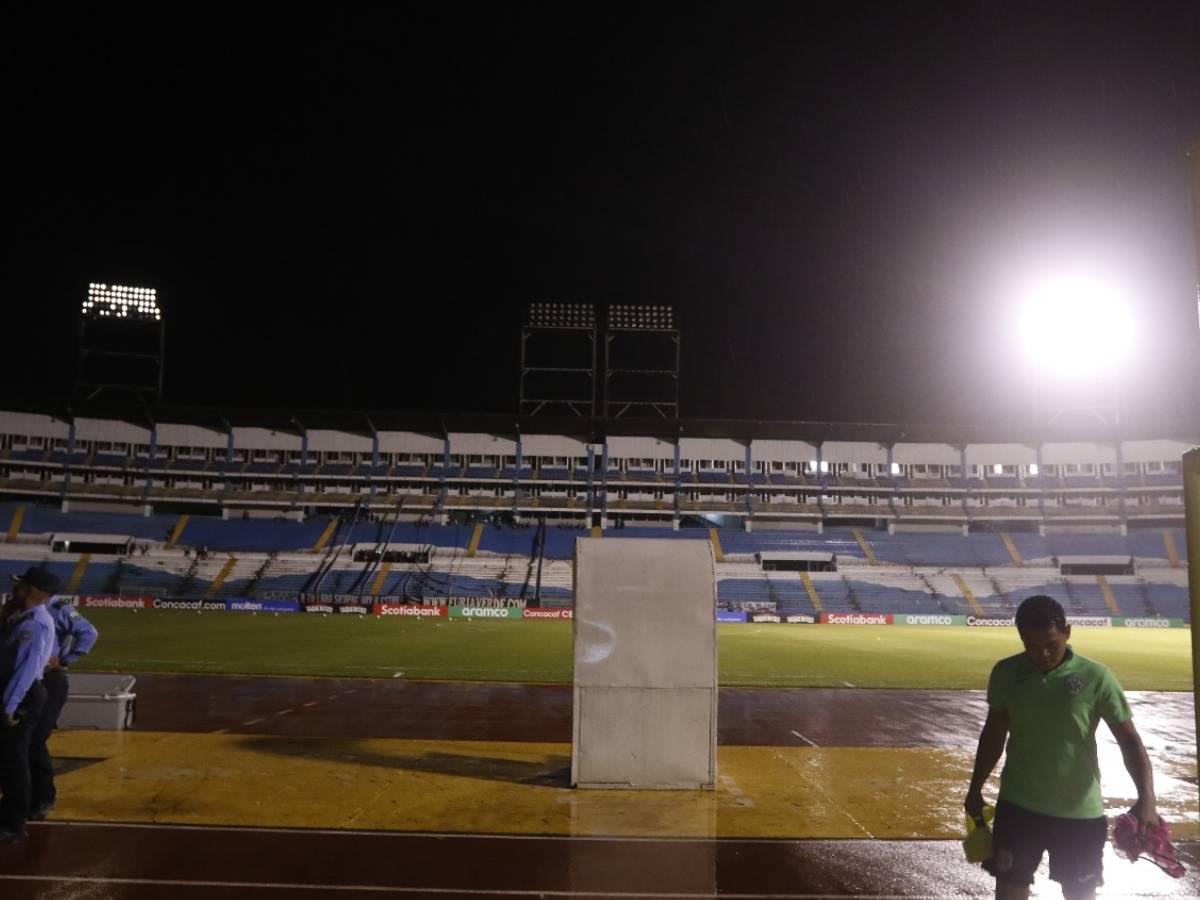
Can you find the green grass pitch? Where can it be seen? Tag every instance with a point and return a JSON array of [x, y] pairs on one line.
[[540, 651]]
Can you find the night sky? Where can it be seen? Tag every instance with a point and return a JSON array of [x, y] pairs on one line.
[[352, 209]]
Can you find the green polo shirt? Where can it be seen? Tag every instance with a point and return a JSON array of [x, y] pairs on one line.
[[1050, 764]]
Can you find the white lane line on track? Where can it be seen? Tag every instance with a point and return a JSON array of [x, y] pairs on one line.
[[847, 684], [810, 743], [310, 703], [820, 790], [441, 835], [284, 712], [460, 891], [250, 722]]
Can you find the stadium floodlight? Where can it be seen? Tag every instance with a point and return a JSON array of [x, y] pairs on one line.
[[1076, 327], [625, 317], [117, 301], [561, 315]]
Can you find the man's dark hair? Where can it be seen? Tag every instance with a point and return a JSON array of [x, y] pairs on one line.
[[1040, 611]]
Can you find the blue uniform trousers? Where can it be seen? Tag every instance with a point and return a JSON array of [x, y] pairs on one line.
[[15, 742], [41, 767]]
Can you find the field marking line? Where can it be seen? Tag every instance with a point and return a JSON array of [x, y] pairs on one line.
[[284, 712], [810, 743], [250, 722], [220, 731], [820, 790], [459, 891], [847, 684], [311, 703]]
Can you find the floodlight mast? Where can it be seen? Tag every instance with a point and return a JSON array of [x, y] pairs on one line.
[[547, 384], [122, 341], [652, 384]]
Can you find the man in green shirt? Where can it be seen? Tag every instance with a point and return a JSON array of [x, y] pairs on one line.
[[1048, 702]]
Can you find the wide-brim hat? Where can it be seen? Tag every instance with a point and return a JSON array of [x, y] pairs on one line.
[[38, 578]]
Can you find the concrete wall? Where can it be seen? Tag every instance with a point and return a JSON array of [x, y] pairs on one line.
[[645, 664]]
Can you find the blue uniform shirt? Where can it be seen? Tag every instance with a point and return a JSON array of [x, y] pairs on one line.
[[74, 635], [26, 645]]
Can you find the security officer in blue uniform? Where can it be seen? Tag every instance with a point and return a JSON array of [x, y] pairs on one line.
[[74, 636], [26, 645]]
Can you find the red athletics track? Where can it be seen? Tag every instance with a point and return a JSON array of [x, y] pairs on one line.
[[77, 860]]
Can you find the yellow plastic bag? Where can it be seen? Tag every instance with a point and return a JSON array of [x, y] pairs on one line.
[[978, 843]]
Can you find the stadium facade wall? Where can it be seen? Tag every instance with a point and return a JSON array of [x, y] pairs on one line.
[[822, 474]]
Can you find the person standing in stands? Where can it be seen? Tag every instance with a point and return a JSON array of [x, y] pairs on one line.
[[26, 645], [74, 637], [1047, 702]]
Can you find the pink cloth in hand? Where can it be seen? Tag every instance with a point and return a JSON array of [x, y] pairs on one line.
[[1155, 845]]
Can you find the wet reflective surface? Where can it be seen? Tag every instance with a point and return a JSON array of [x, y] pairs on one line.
[[853, 763], [83, 861]]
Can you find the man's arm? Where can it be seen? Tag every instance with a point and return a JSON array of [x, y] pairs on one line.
[[26, 670], [83, 637], [1137, 763], [991, 748]]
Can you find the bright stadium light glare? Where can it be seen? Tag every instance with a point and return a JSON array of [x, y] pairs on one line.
[[122, 301], [1076, 327]]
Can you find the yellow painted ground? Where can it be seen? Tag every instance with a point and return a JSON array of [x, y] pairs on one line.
[[469, 786]]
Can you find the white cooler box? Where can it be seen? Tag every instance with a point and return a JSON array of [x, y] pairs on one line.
[[99, 701]]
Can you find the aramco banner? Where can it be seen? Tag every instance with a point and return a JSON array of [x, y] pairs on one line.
[[929, 619]]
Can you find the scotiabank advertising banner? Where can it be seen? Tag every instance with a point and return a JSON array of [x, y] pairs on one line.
[[857, 619], [410, 611], [548, 613], [115, 602]]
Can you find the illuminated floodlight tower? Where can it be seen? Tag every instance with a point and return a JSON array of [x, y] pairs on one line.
[[641, 361], [122, 341], [1078, 335], [558, 359]]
